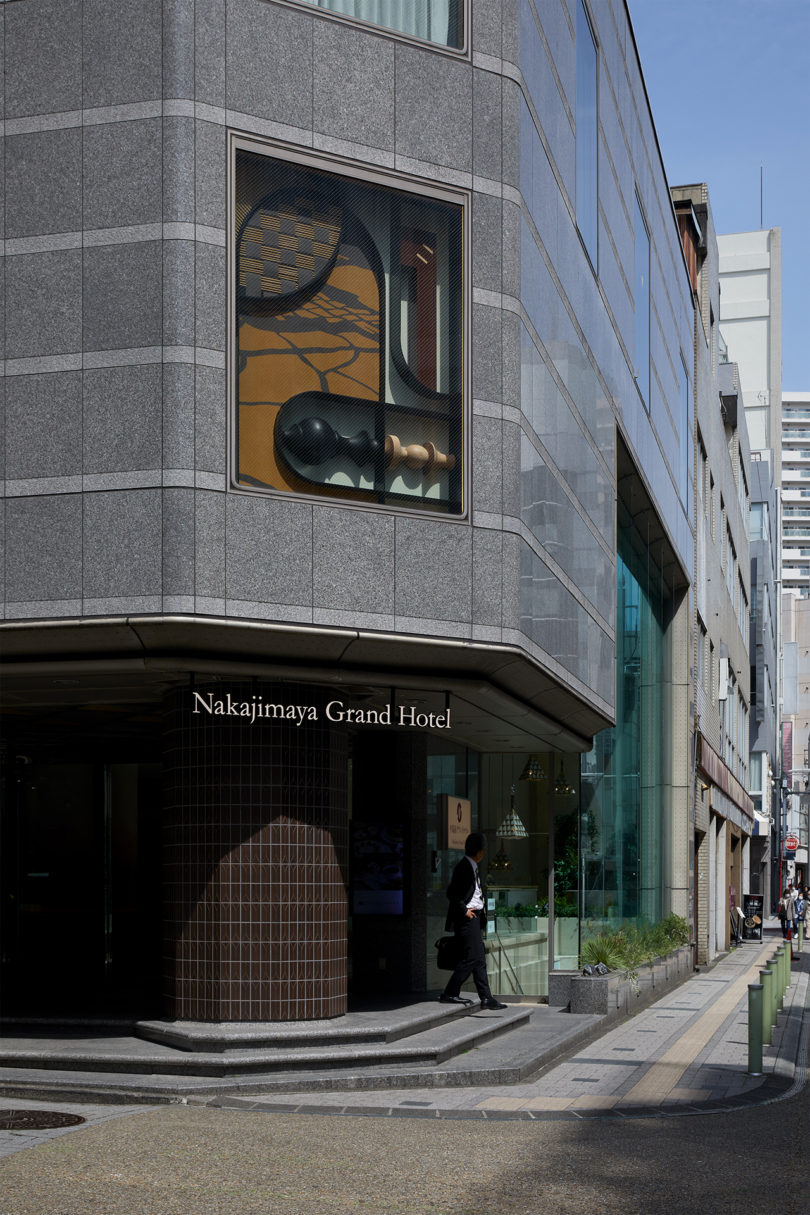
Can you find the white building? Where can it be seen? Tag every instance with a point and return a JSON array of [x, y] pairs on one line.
[[751, 320], [796, 493]]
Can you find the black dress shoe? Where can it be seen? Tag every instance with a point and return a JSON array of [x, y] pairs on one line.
[[443, 999], [492, 1004]]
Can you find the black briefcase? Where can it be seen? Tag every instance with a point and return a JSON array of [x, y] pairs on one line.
[[449, 953]]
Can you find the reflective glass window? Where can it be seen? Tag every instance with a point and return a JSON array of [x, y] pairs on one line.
[[683, 465], [349, 339], [587, 127], [642, 299], [623, 803], [440, 21]]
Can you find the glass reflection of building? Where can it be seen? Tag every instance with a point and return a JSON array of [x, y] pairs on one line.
[[624, 793]]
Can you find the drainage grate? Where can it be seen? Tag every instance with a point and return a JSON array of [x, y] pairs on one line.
[[36, 1120]]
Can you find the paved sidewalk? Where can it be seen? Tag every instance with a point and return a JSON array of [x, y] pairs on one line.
[[15, 1140], [688, 1053]]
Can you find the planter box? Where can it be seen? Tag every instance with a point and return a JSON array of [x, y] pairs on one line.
[[615, 995]]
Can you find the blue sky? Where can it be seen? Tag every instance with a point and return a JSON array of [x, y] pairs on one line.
[[729, 84]]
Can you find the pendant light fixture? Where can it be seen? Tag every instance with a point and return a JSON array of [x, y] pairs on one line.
[[512, 828], [534, 769], [561, 785], [500, 862]]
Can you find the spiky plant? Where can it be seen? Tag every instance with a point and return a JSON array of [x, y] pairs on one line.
[[601, 949]]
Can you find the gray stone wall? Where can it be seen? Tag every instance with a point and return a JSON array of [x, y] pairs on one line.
[[117, 489]]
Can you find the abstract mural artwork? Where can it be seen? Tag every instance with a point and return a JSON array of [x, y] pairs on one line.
[[349, 319]]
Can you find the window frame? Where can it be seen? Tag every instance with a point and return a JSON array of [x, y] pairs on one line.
[[593, 256], [683, 449], [640, 214], [390, 179], [385, 31]]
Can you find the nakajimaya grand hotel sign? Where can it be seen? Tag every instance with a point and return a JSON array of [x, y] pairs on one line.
[[258, 709]]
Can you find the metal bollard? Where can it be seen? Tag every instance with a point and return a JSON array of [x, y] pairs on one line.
[[766, 979], [774, 985], [780, 986], [801, 935], [754, 1029], [788, 965]]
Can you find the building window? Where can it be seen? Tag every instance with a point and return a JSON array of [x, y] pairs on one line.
[[642, 299], [349, 337], [439, 21], [587, 138], [701, 678], [703, 479], [757, 520], [683, 466], [731, 559]]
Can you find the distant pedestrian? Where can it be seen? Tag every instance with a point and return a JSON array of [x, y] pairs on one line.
[[787, 912]]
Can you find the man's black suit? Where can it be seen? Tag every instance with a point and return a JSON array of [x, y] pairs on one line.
[[472, 959]]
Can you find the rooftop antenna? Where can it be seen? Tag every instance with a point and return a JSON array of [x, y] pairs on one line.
[[760, 194]]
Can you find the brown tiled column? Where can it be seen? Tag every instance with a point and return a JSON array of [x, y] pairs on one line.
[[255, 855]]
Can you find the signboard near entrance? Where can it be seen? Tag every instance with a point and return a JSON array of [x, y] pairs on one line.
[[455, 821], [752, 916], [792, 843], [377, 868]]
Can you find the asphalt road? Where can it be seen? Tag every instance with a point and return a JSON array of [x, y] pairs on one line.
[[196, 1161]]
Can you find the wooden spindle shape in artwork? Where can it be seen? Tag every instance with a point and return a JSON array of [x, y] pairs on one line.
[[425, 456]]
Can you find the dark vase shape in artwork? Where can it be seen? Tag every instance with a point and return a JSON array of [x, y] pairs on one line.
[[313, 441]]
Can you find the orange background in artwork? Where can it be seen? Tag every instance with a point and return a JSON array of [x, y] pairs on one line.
[[342, 344]]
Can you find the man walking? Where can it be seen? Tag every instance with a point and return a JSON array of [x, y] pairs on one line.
[[466, 916]]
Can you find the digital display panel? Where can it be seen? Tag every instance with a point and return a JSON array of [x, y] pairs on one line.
[[377, 868]]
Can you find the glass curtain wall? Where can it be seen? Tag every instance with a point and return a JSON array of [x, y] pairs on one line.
[[527, 805], [622, 776]]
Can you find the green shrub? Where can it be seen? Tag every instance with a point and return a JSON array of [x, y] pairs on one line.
[[601, 949], [635, 945]]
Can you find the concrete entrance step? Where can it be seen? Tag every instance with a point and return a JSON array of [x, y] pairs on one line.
[[509, 1056], [366, 1024], [117, 1054]]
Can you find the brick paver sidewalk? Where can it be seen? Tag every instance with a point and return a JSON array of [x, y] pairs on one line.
[[689, 1048]]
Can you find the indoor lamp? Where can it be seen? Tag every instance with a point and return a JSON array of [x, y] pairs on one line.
[[561, 785], [511, 828], [534, 769]]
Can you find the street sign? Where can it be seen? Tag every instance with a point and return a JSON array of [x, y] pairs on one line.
[[791, 843]]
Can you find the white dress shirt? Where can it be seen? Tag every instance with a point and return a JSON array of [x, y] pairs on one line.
[[476, 903]]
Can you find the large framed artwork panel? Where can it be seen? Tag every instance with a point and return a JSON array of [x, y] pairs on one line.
[[349, 333]]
